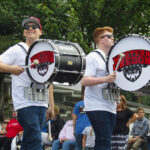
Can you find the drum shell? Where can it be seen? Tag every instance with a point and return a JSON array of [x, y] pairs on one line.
[[70, 66]]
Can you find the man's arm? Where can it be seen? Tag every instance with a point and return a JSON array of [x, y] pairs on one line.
[[90, 81], [12, 69]]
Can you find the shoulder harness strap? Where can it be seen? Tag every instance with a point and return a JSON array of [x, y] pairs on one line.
[[100, 54], [22, 47]]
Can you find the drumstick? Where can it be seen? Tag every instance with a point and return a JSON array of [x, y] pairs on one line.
[[35, 62], [118, 63], [49, 131]]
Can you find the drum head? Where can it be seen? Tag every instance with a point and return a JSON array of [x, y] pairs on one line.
[[43, 51], [134, 69]]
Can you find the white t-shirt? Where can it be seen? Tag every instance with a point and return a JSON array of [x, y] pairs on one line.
[[90, 136], [96, 67], [16, 55]]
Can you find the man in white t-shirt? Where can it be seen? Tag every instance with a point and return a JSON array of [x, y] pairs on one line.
[[31, 113], [101, 112]]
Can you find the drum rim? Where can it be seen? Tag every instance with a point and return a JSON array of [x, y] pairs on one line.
[[123, 37]]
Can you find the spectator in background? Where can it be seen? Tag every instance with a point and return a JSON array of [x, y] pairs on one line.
[[56, 124], [88, 141], [121, 130], [80, 121], [3, 127], [12, 129], [139, 131], [66, 139]]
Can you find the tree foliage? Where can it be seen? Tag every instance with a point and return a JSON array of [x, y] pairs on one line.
[[75, 20]]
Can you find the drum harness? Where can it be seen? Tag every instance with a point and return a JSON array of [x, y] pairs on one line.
[[37, 91], [112, 92]]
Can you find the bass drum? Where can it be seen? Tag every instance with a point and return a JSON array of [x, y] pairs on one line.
[[134, 70], [59, 62]]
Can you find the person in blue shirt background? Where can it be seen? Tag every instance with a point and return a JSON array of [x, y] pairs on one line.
[[80, 121]]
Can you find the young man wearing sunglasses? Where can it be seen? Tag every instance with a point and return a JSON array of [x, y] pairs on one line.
[[31, 111], [101, 112]]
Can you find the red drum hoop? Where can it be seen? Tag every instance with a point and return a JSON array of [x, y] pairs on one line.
[[59, 61], [134, 69]]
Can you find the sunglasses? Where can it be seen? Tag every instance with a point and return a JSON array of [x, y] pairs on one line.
[[27, 27], [108, 36]]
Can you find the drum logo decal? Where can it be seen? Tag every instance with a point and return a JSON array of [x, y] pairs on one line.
[[132, 63], [45, 58]]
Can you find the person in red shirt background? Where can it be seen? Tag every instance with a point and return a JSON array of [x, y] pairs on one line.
[[3, 127], [13, 128]]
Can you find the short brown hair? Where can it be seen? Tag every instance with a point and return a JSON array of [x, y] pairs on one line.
[[124, 102], [99, 31], [140, 109]]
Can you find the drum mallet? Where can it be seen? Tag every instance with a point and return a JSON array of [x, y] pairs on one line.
[[119, 61], [35, 62], [49, 131]]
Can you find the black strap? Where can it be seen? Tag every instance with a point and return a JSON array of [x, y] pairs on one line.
[[22, 47], [100, 54], [26, 53]]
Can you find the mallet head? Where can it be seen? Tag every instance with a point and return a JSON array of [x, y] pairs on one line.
[[36, 61], [122, 55]]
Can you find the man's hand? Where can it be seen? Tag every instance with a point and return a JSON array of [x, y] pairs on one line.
[[12, 69], [111, 77], [16, 70], [50, 113]]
